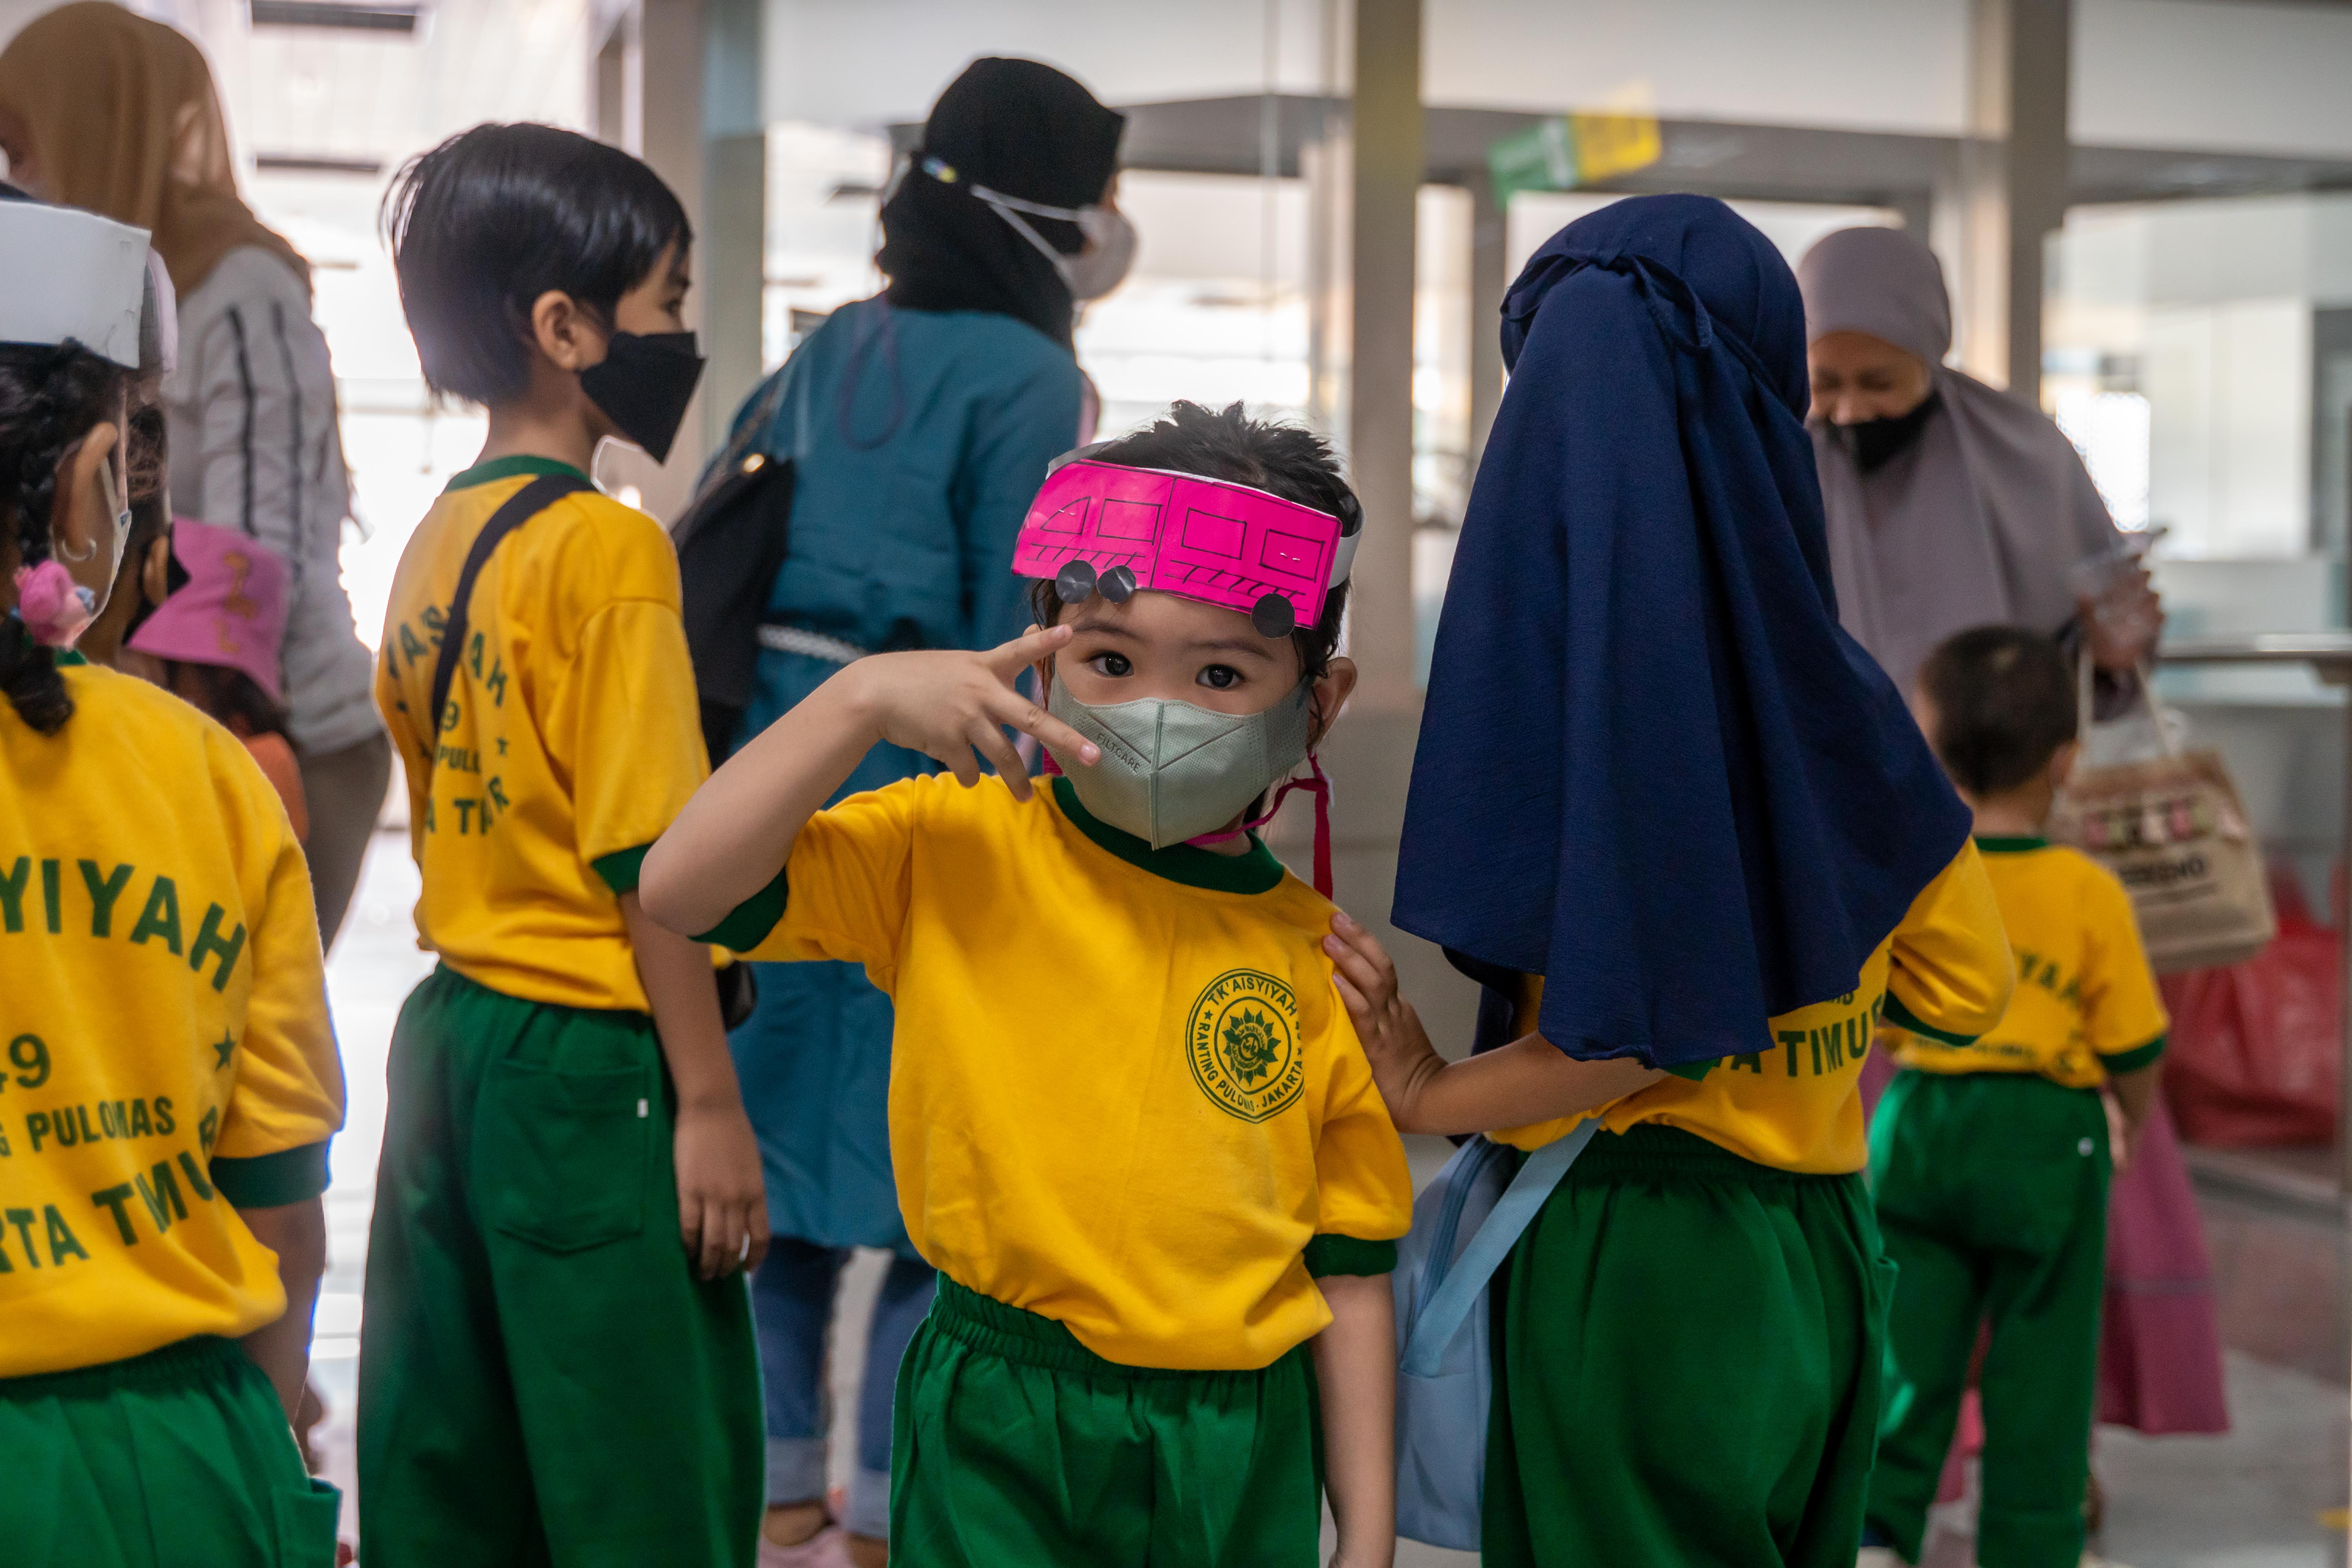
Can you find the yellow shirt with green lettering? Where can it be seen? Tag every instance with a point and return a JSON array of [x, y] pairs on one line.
[[165, 1056], [1124, 1093], [1946, 969], [572, 737], [2087, 1003]]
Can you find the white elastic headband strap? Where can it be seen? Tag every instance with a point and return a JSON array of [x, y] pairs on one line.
[[72, 277], [1009, 208]]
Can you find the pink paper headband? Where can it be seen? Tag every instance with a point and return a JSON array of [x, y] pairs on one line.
[[1097, 527]]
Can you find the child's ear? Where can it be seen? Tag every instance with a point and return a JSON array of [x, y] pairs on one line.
[[155, 570], [2062, 764], [1332, 688], [562, 332]]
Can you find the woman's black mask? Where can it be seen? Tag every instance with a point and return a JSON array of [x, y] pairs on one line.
[[1874, 443]]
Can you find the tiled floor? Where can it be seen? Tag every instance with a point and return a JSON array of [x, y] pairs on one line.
[[2252, 1498]]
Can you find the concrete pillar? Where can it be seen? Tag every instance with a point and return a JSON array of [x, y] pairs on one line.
[[733, 224], [1364, 175], [660, 102], [1490, 280], [2012, 185], [1385, 124]]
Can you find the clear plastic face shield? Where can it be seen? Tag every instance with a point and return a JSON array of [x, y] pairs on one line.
[[76, 277]]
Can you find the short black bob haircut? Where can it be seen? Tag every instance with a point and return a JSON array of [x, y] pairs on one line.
[[492, 219], [2004, 702], [1286, 460]]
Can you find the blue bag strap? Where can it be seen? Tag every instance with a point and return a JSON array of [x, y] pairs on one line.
[[1449, 1305]]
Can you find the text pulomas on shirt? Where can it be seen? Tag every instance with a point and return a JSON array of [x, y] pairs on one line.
[[407, 650], [40, 898]]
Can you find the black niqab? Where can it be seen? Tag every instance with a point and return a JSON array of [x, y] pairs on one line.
[[1021, 128]]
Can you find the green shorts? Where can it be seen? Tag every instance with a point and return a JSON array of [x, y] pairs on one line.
[[1686, 1364], [1013, 1442], [177, 1458], [1992, 1188], [541, 1376]]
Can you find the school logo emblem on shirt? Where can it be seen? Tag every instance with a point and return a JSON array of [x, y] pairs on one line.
[[1242, 1043]]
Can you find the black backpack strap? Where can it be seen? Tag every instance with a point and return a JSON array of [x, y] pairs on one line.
[[517, 509]]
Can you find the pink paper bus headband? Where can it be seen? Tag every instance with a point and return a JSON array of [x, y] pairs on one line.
[[1099, 528]]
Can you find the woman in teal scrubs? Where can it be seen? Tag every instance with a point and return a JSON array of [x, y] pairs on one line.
[[920, 424]]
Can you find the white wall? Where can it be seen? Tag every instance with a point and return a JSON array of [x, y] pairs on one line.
[[2234, 75], [2229, 390], [2224, 75]]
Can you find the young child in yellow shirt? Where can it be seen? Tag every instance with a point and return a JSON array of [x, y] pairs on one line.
[[168, 1078], [556, 1363], [1989, 1160], [1130, 1122]]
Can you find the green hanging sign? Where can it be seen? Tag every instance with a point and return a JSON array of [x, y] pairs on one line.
[[1569, 151]]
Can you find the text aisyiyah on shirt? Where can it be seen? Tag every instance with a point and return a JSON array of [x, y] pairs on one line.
[[165, 1056], [1798, 1107], [2086, 1003], [570, 738]]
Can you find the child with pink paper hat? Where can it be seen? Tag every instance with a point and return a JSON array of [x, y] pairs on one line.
[[216, 637]]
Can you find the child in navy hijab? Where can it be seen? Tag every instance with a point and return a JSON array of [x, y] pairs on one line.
[[1684, 830]]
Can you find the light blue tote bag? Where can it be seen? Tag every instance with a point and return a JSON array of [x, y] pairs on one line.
[[1464, 1224]]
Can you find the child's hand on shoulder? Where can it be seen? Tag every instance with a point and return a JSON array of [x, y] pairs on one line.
[[953, 705], [1394, 1041]]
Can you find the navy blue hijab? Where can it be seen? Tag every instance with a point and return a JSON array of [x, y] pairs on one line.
[[1653, 768]]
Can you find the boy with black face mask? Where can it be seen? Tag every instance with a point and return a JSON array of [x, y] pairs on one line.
[[545, 1374]]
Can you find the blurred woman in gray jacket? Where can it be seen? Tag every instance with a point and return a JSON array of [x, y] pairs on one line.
[[106, 111]]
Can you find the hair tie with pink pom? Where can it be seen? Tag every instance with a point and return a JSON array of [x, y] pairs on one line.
[[54, 607]]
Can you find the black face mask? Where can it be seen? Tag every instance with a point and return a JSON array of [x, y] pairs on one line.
[[643, 384], [1874, 443]]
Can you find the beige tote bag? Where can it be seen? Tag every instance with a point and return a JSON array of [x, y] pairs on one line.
[[2170, 826]]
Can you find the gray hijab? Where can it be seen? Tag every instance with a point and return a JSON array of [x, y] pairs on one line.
[[1980, 519]]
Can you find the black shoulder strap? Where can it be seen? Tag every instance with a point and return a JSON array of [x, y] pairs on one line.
[[517, 509]]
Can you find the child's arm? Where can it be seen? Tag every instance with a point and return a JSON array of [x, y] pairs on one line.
[[722, 1203], [297, 1233], [1527, 1081], [2134, 1093], [1355, 1370], [738, 830]]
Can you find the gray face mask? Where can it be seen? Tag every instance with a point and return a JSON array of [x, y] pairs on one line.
[[1171, 772]]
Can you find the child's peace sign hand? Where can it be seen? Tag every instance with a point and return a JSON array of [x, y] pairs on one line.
[[955, 706]]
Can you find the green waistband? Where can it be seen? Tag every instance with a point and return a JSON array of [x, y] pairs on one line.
[[1655, 1153], [1019, 1335], [189, 1362]]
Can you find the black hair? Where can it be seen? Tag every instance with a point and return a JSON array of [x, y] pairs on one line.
[[50, 398], [2004, 702], [1288, 460], [495, 216], [233, 696]]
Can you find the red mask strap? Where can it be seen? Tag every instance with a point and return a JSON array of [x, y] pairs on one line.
[[1316, 785]]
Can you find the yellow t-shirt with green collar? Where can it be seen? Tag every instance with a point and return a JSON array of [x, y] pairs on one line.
[[2086, 1003], [165, 1055], [571, 739], [1945, 971], [1124, 1093]]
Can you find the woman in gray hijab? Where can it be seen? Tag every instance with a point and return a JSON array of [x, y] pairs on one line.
[[1950, 504]]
